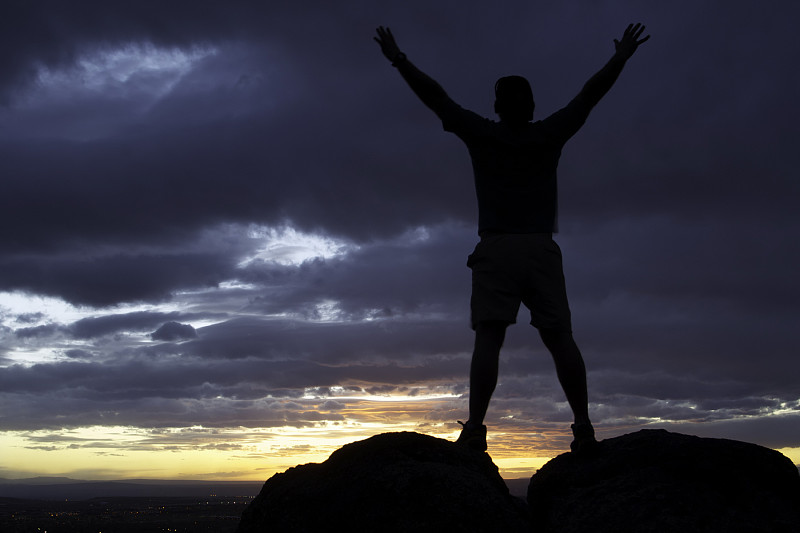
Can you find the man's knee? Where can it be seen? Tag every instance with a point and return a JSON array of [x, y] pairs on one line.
[[556, 336], [490, 332]]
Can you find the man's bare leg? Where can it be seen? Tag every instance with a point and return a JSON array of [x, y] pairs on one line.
[[571, 372], [570, 369], [489, 337]]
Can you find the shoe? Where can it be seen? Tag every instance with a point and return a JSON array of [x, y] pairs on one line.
[[584, 438], [472, 436]]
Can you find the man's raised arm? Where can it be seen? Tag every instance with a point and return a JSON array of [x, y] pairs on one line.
[[430, 92], [599, 84]]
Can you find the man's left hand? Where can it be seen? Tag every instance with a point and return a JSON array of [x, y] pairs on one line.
[[388, 45]]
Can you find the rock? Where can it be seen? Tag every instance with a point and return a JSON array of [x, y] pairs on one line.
[[390, 482], [656, 481]]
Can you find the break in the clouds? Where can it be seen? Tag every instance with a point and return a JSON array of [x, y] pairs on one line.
[[236, 215]]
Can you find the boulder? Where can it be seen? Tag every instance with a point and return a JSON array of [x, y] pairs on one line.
[[657, 481], [393, 482]]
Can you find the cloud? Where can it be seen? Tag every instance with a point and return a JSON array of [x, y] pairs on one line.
[[87, 328], [37, 331], [172, 331], [171, 172], [104, 281]]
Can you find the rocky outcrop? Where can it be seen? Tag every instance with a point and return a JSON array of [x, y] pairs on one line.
[[656, 481], [644, 482], [393, 482]]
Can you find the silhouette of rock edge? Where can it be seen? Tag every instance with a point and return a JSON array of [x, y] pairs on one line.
[[391, 482], [656, 481]]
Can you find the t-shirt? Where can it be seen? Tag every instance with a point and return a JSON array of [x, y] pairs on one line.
[[515, 165]]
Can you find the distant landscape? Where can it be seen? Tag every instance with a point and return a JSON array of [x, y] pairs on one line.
[[141, 505], [61, 488], [128, 505]]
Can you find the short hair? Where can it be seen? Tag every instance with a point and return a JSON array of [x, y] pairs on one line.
[[514, 99]]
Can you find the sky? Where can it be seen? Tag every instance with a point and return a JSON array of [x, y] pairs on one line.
[[233, 240]]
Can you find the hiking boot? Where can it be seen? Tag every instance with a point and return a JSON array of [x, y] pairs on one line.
[[472, 436], [584, 440]]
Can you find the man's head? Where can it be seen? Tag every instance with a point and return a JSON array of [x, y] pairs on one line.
[[513, 99]]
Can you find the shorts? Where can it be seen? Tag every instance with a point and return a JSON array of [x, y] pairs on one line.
[[509, 269]]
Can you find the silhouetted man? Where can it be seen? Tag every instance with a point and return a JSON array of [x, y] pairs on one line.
[[516, 261]]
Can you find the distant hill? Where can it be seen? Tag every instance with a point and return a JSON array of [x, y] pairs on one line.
[[41, 480]]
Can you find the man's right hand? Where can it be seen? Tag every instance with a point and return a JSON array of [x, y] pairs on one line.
[[388, 45], [629, 43]]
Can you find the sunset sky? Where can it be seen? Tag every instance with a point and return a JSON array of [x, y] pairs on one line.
[[233, 240]]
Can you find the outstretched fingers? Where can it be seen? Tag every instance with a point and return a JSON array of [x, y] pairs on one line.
[[384, 34], [634, 32], [630, 39], [638, 34], [387, 43]]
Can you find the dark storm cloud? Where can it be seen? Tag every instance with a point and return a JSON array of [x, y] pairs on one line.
[[172, 331], [72, 394], [777, 431], [93, 328], [37, 331], [423, 270], [88, 328], [77, 354], [327, 343], [104, 281], [257, 132], [27, 318], [54, 34], [266, 163], [678, 208]]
